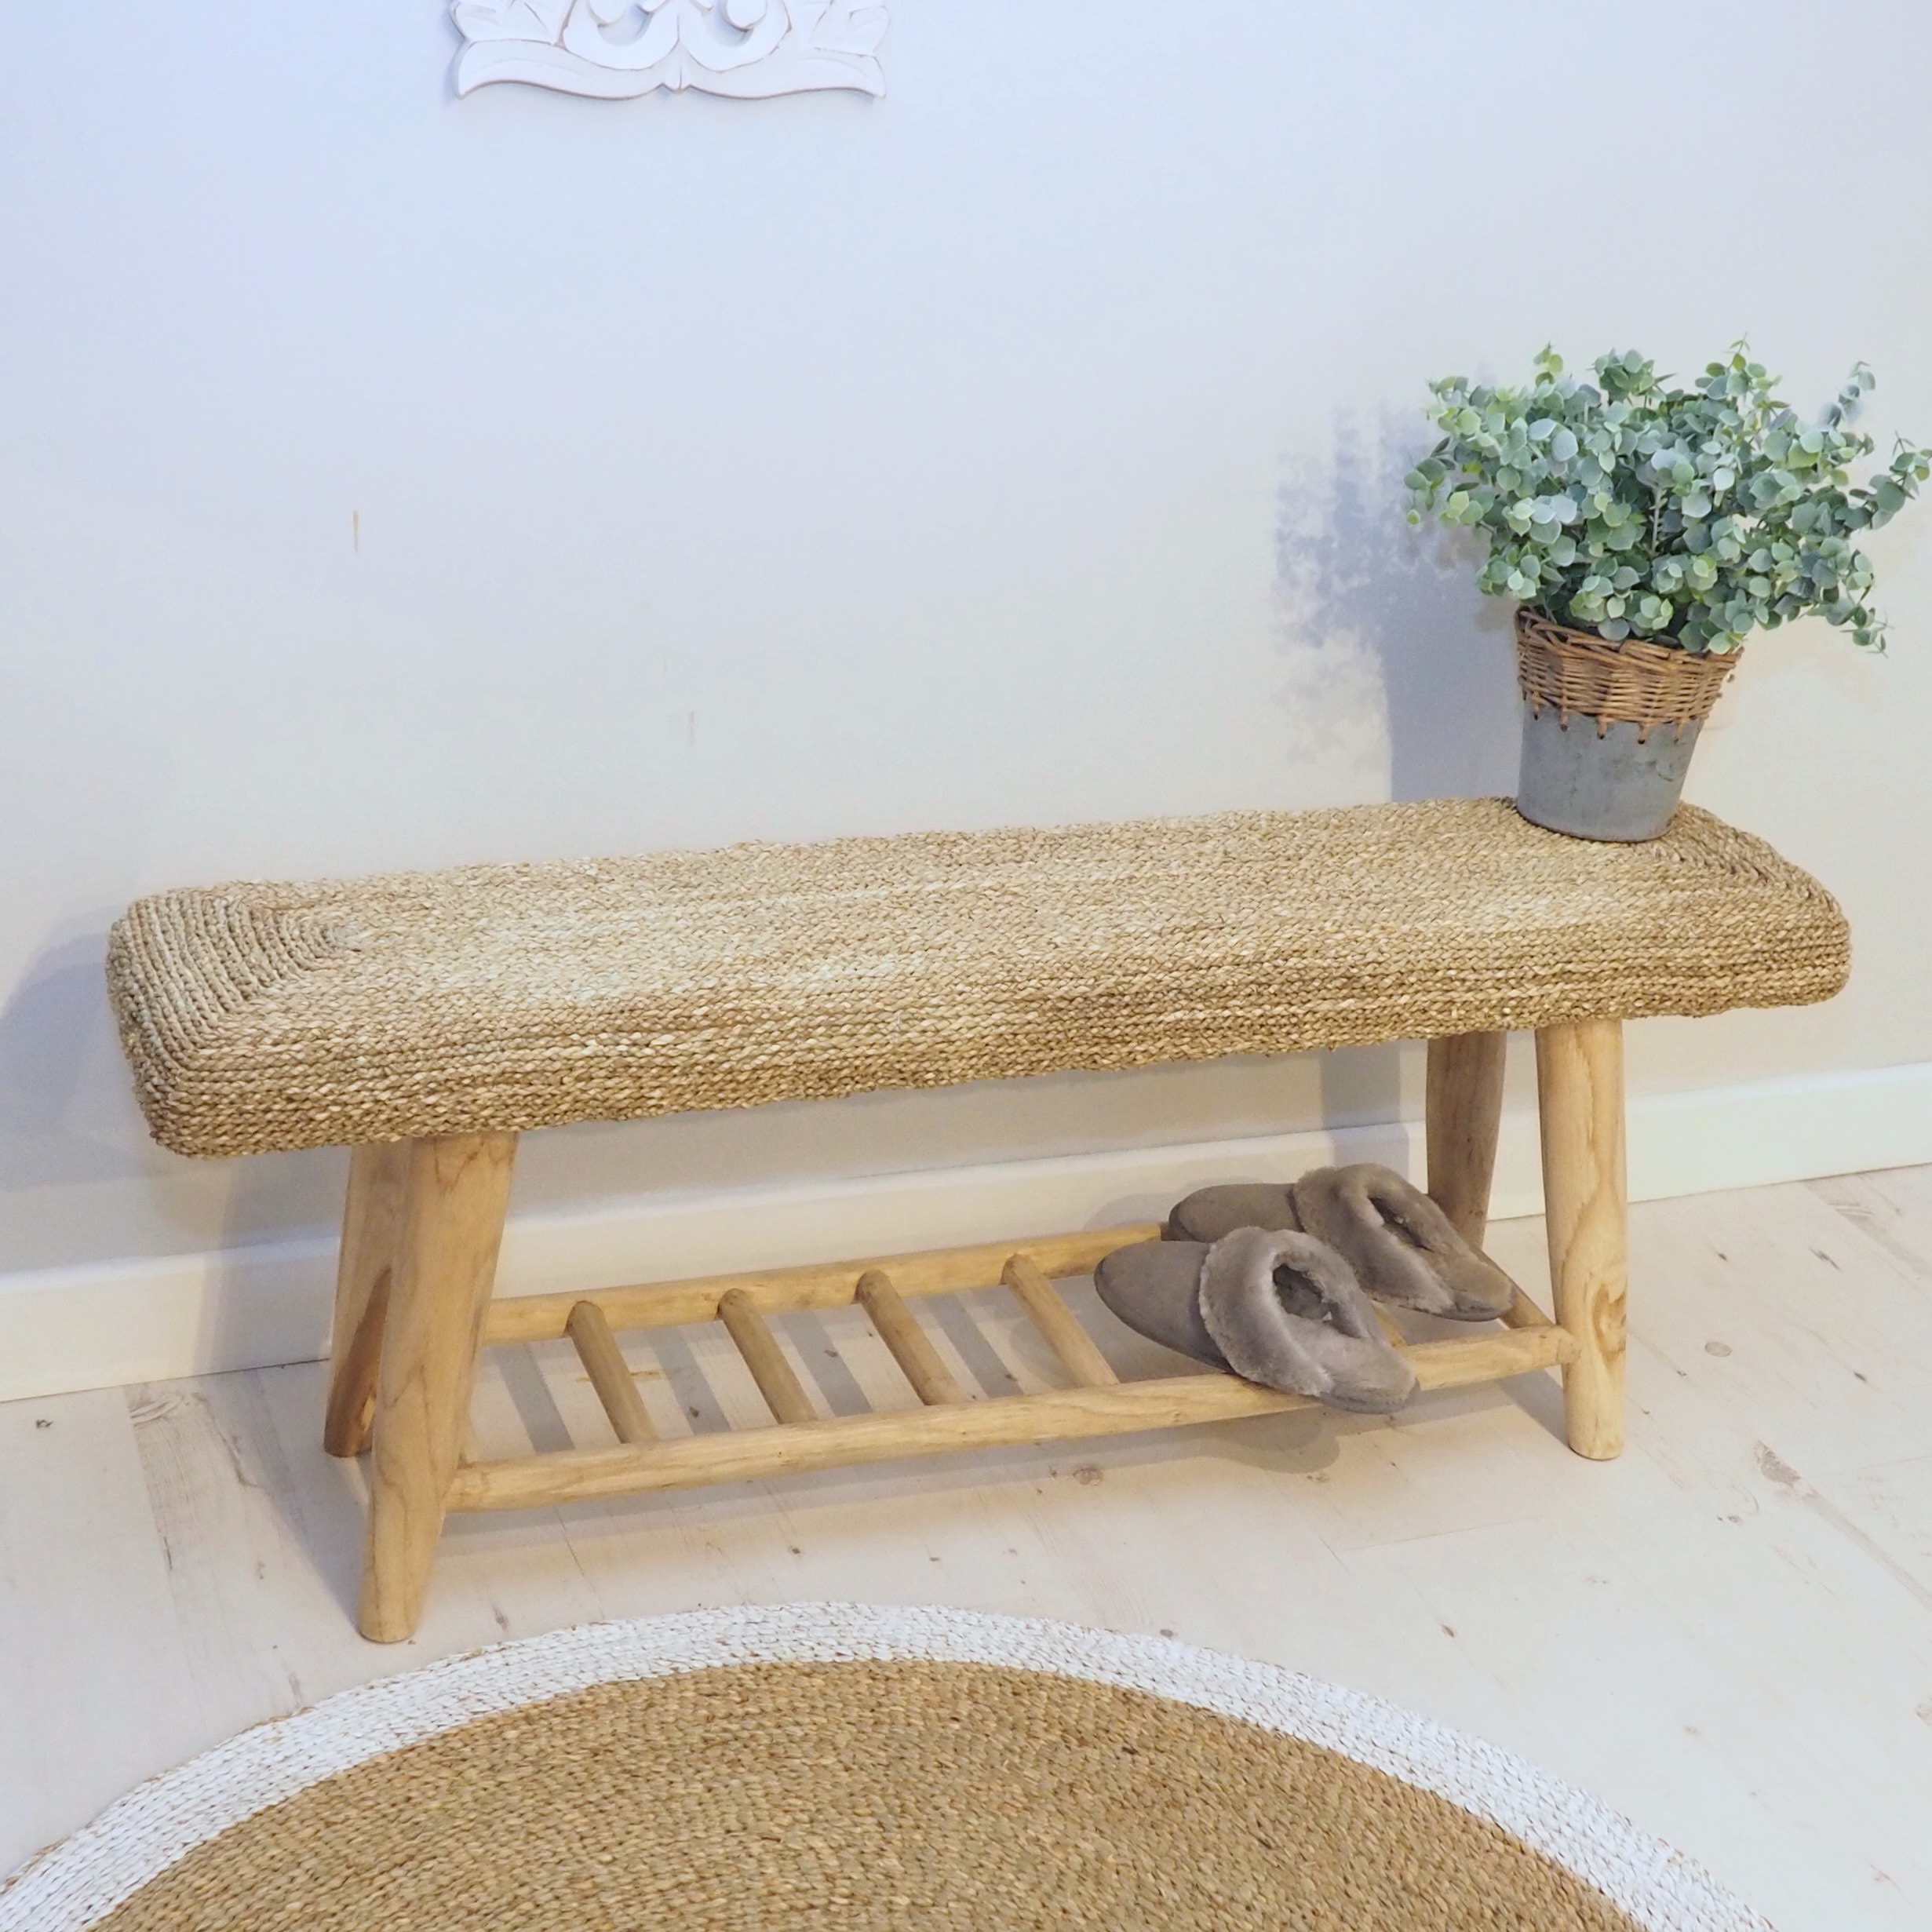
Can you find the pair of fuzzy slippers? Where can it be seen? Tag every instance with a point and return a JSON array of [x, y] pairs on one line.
[[1276, 1282]]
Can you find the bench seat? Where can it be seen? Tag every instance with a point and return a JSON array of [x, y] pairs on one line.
[[426, 1020], [266, 1017]]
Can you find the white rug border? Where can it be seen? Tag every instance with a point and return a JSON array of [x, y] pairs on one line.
[[72, 1887]]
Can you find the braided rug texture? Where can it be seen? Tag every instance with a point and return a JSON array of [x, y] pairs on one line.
[[814, 1766], [260, 1017]]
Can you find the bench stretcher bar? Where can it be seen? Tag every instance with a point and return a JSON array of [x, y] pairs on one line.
[[800, 1441]]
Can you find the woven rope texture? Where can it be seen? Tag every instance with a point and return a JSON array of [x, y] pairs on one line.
[[260, 1017], [867, 1797], [1633, 682], [224, 1840]]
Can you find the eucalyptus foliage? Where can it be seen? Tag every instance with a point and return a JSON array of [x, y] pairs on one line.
[[1690, 517]]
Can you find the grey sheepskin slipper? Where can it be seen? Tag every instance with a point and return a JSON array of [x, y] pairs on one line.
[[1209, 1213], [1154, 1286], [1274, 1306], [1400, 1243], [1288, 1313]]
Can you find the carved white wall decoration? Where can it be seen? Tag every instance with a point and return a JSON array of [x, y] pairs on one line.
[[618, 50]]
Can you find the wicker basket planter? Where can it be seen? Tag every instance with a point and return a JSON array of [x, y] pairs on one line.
[[1608, 728]]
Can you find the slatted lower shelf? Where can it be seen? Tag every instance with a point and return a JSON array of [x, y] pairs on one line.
[[798, 1440]]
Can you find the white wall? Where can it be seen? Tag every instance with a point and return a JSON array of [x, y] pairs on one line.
[[1020, 448]]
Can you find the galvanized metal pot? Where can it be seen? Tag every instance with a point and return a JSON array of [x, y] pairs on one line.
[[1608, 728], [1612, 784]]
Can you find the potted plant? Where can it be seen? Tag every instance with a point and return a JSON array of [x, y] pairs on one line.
[[1646, 531]]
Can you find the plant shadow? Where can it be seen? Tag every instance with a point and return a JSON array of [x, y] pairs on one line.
[[1372, 612]]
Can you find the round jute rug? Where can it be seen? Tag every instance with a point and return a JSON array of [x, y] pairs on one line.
[[836, 1767]]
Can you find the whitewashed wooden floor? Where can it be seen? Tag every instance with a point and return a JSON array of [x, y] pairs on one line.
[[1727, 1635]]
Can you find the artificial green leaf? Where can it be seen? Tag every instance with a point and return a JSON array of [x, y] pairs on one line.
[[1591, 493]]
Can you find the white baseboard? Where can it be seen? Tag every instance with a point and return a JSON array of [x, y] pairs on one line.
[[106, 1324]]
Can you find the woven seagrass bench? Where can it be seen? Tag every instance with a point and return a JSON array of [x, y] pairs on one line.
[[424, 1021]]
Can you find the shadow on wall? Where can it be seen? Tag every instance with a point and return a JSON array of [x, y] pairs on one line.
[[1382, 627], [1376, 614], [80, 1181], [82, 791], [54, 1033]]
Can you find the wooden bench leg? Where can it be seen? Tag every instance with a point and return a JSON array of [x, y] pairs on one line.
[[1580, 1091], [1465, 1110], [449, 1226], [370, 1219]]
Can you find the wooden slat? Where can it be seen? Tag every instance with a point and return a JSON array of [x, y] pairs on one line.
[[371, 1217], [1076, 1348], [1580, 1090], [1059, 1415], [1464, 1111], [455, 1189], [1522, 1313], [912, 1348], [610, 1374], [825, 1285], [784, 1394]]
